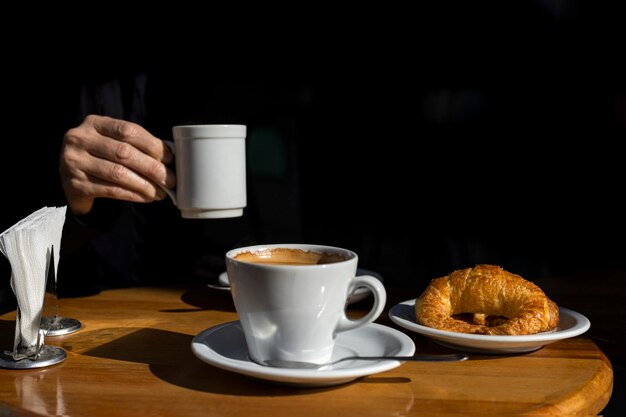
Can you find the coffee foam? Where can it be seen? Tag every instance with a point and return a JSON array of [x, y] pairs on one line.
[[289, 256]]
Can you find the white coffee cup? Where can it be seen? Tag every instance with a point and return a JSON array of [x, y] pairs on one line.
[[210, 170], [291, 311]]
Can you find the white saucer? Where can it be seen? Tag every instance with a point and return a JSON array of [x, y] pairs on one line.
[[223, 280], [224, 346], [571, 324], [222, 283], [358, 295]]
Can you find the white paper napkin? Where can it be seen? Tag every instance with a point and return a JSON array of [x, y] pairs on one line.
[[28, 245]]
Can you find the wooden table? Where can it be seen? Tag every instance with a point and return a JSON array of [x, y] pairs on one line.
[[133, 358]]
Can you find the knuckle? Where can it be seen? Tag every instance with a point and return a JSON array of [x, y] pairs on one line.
[[78, 187], [155, 170], [65, 166], [72, 136], [123, 151], [126, 129], [115, 192], [117, 172], [91, 119], [65, 156], [120, 193], [68, 160]]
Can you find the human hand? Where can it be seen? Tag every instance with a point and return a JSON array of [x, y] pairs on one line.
[[112, 158]]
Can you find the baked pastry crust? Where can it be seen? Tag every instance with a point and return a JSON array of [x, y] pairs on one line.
[[518, 306]]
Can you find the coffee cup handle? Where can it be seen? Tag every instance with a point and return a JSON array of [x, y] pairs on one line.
[[380, 298], [171, 191]]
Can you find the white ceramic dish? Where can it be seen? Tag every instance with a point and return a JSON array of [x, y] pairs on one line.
[[358, 295], [224, 346], [571, 324]]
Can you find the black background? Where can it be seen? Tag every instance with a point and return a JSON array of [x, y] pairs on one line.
[[426, 139]]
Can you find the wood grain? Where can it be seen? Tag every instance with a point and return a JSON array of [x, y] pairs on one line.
[[133, 357]]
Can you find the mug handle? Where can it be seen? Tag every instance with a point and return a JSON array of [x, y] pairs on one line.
[[380, 298], [171, 192]]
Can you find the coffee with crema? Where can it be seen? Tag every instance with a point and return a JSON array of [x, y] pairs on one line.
[[287, 256]]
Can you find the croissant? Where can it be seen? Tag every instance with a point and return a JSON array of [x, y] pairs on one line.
[[492, 301]]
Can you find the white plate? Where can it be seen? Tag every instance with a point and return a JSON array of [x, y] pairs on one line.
[[358, 295], [224, 346], [571, 324]]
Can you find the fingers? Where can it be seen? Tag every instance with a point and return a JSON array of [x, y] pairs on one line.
[[128, 165], [81, 194], [85, 178], [126, 156], [133, 134]]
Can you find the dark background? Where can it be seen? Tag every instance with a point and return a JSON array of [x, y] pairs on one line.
[[455, 134], [425, 140]]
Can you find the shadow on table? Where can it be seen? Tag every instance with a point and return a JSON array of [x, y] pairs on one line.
[[7, 334], [205, 298], [170, 359]]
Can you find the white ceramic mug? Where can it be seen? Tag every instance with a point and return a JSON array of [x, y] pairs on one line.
[[210, 170], [293, 312]]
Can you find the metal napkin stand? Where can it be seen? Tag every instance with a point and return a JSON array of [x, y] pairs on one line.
[[51, 324]]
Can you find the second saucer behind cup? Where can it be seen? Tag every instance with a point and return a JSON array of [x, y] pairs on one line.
[[291, 299]]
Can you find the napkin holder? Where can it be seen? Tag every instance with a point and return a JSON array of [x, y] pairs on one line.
[[38, 355], [51, 322]]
